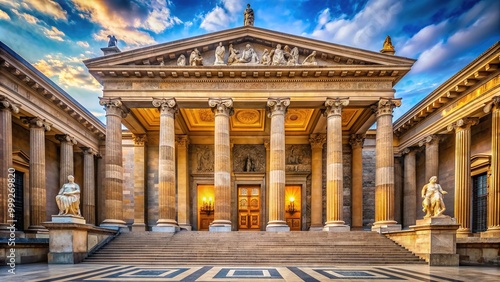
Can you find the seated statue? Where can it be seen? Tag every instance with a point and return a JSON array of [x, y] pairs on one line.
[[266, 58], [433, 203], [278, 56], [195, 59], [68, 199], [248, 56], [233, 55]]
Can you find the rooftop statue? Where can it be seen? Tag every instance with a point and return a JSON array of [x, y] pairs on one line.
[[195, 59], [68, 198], [248, 16], [219, 54], [112, 41], [433, 203], [388, 48]]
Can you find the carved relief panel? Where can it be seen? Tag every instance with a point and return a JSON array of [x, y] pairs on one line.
[[202, 158], [298, 157], [249, 158]]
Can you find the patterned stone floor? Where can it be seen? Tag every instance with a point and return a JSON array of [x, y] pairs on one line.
[[88, 272]]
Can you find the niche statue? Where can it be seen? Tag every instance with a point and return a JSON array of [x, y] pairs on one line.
[[68, 199], [433, 203]]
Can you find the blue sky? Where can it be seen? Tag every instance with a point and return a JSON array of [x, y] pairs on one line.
[[443, 36]]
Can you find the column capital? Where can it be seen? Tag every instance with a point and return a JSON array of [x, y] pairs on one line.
[[317, 140], [334, 106], [7, 104], [494, 103], [463, 123], [409, 150], [357, 140], [277, 105], [37, 122], [182, 141], [89, 151], [385, 106], [221, 106], [114, 106], [66, 138], [166, 105], [430, 139], [140, 139]]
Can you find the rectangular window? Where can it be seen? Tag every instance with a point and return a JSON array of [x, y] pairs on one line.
[[479, 202]]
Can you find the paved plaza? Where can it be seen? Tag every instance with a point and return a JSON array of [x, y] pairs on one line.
[[90, 272]]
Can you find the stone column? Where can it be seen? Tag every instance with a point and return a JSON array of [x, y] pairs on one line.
[[7, 170], [384, 165], [166, 166], [356, 142], [222, 108], [38, 195], [183, 211], [410, 188], [88, 191], [66, 163], [463, 187], [334, 167], [276, 111], [431, 143], [267, 145], [113, 164], [317, 140], [494, 189], [139, 182]]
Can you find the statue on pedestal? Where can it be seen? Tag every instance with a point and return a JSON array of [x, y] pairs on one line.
[[433, 203], [112, 41], [68, 198], [248, 16]]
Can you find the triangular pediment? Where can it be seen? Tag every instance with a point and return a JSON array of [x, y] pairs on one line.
[[310, 53]]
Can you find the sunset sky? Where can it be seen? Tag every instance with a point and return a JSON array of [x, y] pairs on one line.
[[55, 36]]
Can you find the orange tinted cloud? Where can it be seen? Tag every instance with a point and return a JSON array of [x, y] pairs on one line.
[[48, 7]]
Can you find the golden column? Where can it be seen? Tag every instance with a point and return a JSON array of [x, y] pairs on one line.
[[276, 111], [317, 140], [431, 143], [494, 188], [38, 189], [463, 189], [113, 164], [384, 165], [88, 191], [140, 153], [166, 166], [66, 164], [7, 170], [356, 142], [334, 167], [410, 188], [222, 108], [183, 214]]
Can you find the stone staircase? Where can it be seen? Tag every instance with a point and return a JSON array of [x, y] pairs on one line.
[[253, 249]]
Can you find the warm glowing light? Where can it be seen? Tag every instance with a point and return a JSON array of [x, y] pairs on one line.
[[292, 199], [205, 199]]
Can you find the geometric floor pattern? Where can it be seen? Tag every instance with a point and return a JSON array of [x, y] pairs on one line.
[[221, 273]]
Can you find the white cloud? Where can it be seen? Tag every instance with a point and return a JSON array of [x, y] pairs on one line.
[[216, 19], [48, 7], [233, 6], [160, 18], [27, 17], [4, 16], [83, 44], [53, 33], [424, 39]]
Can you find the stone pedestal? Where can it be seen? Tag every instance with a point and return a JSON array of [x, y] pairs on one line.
[[68, 241], [110, 50], [68, 219], [436, 240]]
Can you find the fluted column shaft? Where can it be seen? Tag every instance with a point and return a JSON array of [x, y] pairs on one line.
[[88, 192], [317, 141], [431, 156], [182, 144], [357, 180], [38, 194], [276, 111], [113, 164], [334, 166], [494, 189], [463, 189], [410, 188], [384, 154], [139, 182], [222, 109], [66, 164], [6, 173]]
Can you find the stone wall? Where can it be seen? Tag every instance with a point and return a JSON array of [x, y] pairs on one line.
[[128, 183], [52, 159], [368, 186]]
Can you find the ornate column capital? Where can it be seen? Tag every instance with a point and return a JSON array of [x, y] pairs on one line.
[[182, 141], [114, 106], [37, 122], [66, 138], [317, 140], [166, 105], [221, 106], [7, 104], [357, 140], [334, 106], [277, 105], [89, 151], [385, 106], [463, 123], [494, 103], [140, 139], [430, 139]]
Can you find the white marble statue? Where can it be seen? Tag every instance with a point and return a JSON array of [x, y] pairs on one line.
[[433, 203], [233, 55], [310, 60], [195, 59], [249, 56], [181, 61], [248, 16], [68, 198], [278, 56], [266, 58], [219, 54]]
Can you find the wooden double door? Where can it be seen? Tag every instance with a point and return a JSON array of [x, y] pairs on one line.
[[249, 208]]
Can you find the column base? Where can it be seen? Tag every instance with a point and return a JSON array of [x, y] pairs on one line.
[[316, 228], [115, 224], [337, 228], [386, 226], [185, 226], [464, 233], [37, 231], [277, 226], [220, 226], [166, 225], [138, 227], [491, 233]]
